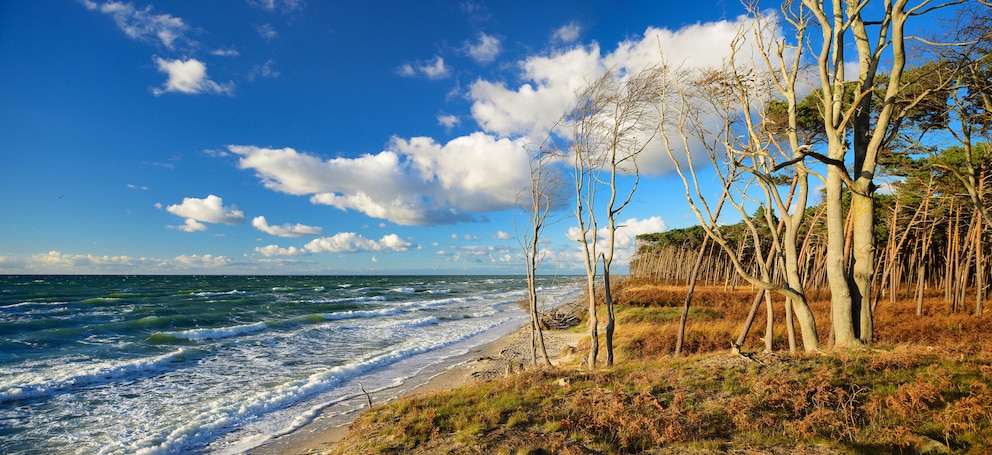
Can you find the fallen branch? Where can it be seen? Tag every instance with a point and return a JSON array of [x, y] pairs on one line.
[[367, 396], [736, 349]]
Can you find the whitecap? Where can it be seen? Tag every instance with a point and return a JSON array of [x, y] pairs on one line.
[[218, 333], [46, 382]]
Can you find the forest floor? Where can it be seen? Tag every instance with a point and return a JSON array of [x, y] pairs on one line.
[[923, 386]]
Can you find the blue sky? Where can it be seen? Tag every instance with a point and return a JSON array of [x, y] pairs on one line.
[[290, 136]]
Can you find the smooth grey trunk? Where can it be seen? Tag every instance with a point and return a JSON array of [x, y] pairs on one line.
[[683, 319]]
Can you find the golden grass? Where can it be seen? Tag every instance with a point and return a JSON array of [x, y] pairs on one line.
[[926, 380]]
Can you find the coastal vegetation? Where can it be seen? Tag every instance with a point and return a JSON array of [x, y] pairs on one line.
[[923, 387], [859, 190], [900, 141]]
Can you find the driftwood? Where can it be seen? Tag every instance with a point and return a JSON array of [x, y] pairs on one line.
[[560, 318]]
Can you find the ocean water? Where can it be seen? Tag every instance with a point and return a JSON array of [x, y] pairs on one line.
[[215, 364]]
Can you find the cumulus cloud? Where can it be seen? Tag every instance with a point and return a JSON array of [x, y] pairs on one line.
[[208, 210], [286, 230], [276, 250], [485, 50], [142, 24], [548, 83], [625, 244], [58, 262], [416, 182], [431, 69], [284, 6], [501, 235], [448, 121], [266, 31], [190, 77], [206, 261], [10, 262], [342, 242], [266, 71], [192, 225], [480, 254], [228, 52], [548, 88], [567, 33], [419, 181], [436, 69]]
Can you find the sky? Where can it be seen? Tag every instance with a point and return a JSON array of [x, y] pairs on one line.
[[310, 137]]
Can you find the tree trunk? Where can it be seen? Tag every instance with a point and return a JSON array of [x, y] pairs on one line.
[[680, 337], [863, 266], [610, 317], [593, 322], [842, 316]]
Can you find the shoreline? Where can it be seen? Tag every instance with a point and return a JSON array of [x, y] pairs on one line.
[[500, 357]]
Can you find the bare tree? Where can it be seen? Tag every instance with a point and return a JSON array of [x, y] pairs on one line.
[[543, 197], [728, 113], [586, 165], [628, 107], [609, 125]]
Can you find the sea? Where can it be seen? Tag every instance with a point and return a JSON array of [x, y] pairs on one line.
[[224, 364]]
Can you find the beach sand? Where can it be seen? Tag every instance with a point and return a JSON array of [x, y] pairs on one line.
[[506, 355]]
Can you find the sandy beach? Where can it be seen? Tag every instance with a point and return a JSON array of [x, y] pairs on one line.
[[506, 355]]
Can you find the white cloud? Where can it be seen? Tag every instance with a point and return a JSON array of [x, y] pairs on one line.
[[342, 242], [191, 225], [9, 262], [432, 69], [275, 250], [229, 52], [142, 24], [266, 31], [206, 261], [480, 254], [626, 237], [286, 230], [284, 6], [436, 69], [350, 242], [548, 83], [59, 262], [548, 88], [567, 33], [448, 121], [406, 70], [501, 235], [265, 70], [416, 182], [208, 210], [190, 77], [485, 50]]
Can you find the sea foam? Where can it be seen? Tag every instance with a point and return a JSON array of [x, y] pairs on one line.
[[75, 374]]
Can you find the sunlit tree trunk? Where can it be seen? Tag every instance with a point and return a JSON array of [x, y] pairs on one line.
[[542, 198]]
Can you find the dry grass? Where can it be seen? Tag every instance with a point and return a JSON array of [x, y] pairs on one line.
[[928, 380]]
